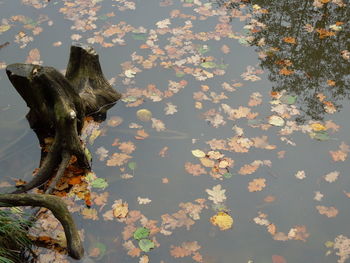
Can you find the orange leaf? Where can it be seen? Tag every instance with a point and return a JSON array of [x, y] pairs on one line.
[[74, 180], [286, 72], [141, 135], [290, 40]]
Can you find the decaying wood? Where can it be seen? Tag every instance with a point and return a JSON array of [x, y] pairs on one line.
[[60, 211], [57, 107]]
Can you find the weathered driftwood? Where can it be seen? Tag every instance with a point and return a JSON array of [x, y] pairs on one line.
[[58, 105], [60, 211]]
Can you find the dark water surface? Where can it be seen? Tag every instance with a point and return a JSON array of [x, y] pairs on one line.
[[300, 56]]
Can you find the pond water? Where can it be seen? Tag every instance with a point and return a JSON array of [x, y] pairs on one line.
[[249, 103]]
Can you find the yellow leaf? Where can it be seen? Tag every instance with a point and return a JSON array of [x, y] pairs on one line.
[[207, 162], [318, 127], [276, 120], [121, 210], [198, 153], [144, 115], [223, 220]]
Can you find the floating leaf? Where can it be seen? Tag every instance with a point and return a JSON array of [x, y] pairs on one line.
[[132, 165], [329, 244], [320, 135], [4, 28], [208, 64], [288, 99], [99, 183], [139, 36], [227, 175], [203, 49], [121, 210], [317, 127], [207, 162], [278, 259], [141, 233], [198, 153], [146, 245], [144, 115], [276, 120], [223, 220]]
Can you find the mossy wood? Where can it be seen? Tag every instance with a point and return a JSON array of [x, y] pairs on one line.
[[58, 105]]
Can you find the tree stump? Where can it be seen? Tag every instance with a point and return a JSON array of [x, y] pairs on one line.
[[58, 105]]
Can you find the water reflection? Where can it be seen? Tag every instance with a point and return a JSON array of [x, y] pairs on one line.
[[304, 48]]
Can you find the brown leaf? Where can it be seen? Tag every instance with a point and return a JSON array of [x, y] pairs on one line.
[[257, 185]]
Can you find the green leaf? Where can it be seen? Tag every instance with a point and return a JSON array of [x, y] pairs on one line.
[[141, 233], [288, 99], [222, 66], [320, 135], [132, 165], [208, 64], [227, 175], [99, 183], [146, 245], [88, 154], [4, 28], [243, 41], [329, 244], [102, 249], [180, 74], [203, 49], [139, 36]]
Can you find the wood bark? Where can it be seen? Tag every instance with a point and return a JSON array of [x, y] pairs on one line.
[[58, 105], [60, 211]]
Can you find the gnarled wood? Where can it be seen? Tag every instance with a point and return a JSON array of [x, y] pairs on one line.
[[58, 105], [60, 211]]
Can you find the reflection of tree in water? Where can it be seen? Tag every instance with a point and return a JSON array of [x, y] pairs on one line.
[[305, 48]]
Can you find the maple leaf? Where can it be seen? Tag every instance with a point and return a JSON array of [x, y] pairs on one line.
[[118, 159], [331, 177], [194, 169], [249, 168], [170, 109], [341, 154], [89, 213], [127, 147], [257, 185], [217, 195], [158, 125], [102, 153], [318, 196], [327, 211], [300, 175]]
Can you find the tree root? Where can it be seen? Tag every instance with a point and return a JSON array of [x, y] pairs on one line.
[[60, 211]]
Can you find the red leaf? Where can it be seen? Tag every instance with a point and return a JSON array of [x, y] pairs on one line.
[[278, 259]]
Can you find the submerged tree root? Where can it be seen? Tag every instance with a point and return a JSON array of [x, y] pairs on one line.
[[60, 211]]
